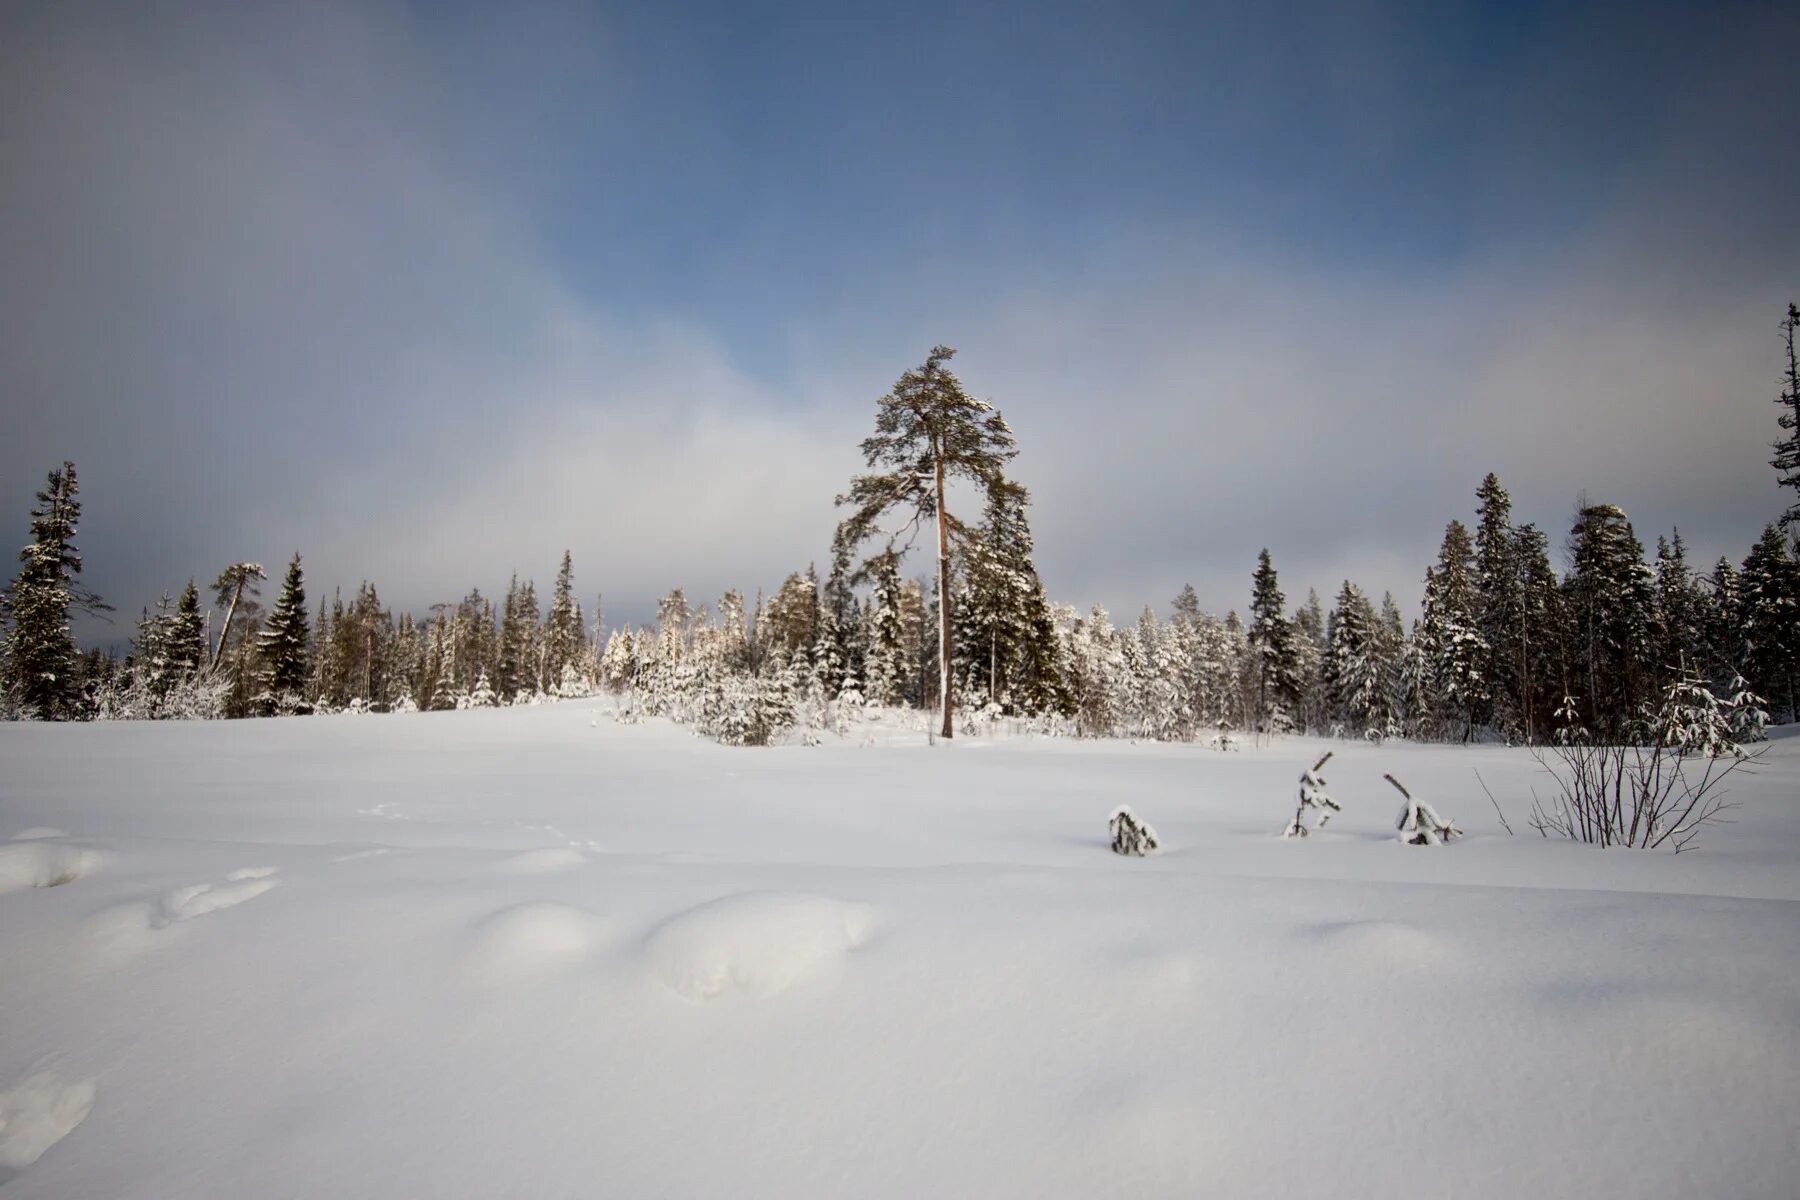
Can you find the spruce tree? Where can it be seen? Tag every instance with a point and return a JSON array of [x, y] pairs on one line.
[[1610, 598], [187, 635], [283, 647], [1769, 608], [1355, 680], [887, 669], [1310, 650], [1725, 629], [1787, 450], [40, 663], [1679, 620], [1274, 662], [563, 637], [1498, 603], [790, 622], [509, 672], [1007, 641], [1458, 650], [928, 431], [1543, 676], [1390, 650]]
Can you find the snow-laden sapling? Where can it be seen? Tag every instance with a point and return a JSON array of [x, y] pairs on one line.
[[1130, 836], [1419, 823], [1312, 796]]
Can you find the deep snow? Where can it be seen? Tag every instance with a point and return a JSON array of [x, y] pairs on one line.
[[527, 953]]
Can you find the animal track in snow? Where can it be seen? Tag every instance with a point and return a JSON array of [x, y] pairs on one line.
[[184, 904], [355, 855], [543, 862], [35, 1114]]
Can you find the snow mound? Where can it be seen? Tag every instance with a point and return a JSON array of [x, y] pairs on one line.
[[42, 864], [37, 1113], [37, 833], [529, 939], [753, 945], [542, 862]]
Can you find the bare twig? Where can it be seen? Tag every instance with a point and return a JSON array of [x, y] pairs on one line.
[[1494, 802]]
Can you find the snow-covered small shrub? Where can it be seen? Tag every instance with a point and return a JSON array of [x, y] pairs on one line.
[[848, 712], [1314, 797], [1745, 718], [483, 696], [743, 710], [405, 704], [1419, 823], [1130, 836], [1224, 740], [572, 686]]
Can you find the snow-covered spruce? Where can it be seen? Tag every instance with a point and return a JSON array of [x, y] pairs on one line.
[[1312, 796], [1130, 836], [1419, 823]]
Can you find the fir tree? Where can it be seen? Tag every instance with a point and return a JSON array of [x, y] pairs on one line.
[[283, 647]]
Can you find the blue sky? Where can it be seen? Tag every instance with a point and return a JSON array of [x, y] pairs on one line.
[[429, 292]]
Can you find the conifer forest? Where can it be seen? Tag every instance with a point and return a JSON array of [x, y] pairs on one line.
[[1522, 634]]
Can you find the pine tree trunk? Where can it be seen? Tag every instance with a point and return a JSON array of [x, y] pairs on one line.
[[225, 629], [943, 598]]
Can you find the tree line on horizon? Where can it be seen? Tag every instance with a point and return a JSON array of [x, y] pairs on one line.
[[1504, 646]]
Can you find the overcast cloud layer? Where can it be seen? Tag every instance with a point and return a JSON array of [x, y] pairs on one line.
[[430, 298]]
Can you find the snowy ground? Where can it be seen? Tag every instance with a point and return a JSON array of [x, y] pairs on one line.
[[518, 953]]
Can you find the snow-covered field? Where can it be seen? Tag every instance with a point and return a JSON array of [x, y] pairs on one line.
[[525, 953]]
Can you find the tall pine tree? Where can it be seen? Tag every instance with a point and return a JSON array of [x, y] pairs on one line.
[[928, 432]]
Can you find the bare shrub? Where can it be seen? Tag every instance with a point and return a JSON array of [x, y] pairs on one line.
[[1660, 790]]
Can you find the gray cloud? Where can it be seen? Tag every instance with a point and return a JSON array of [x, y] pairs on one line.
[[266, 290]]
